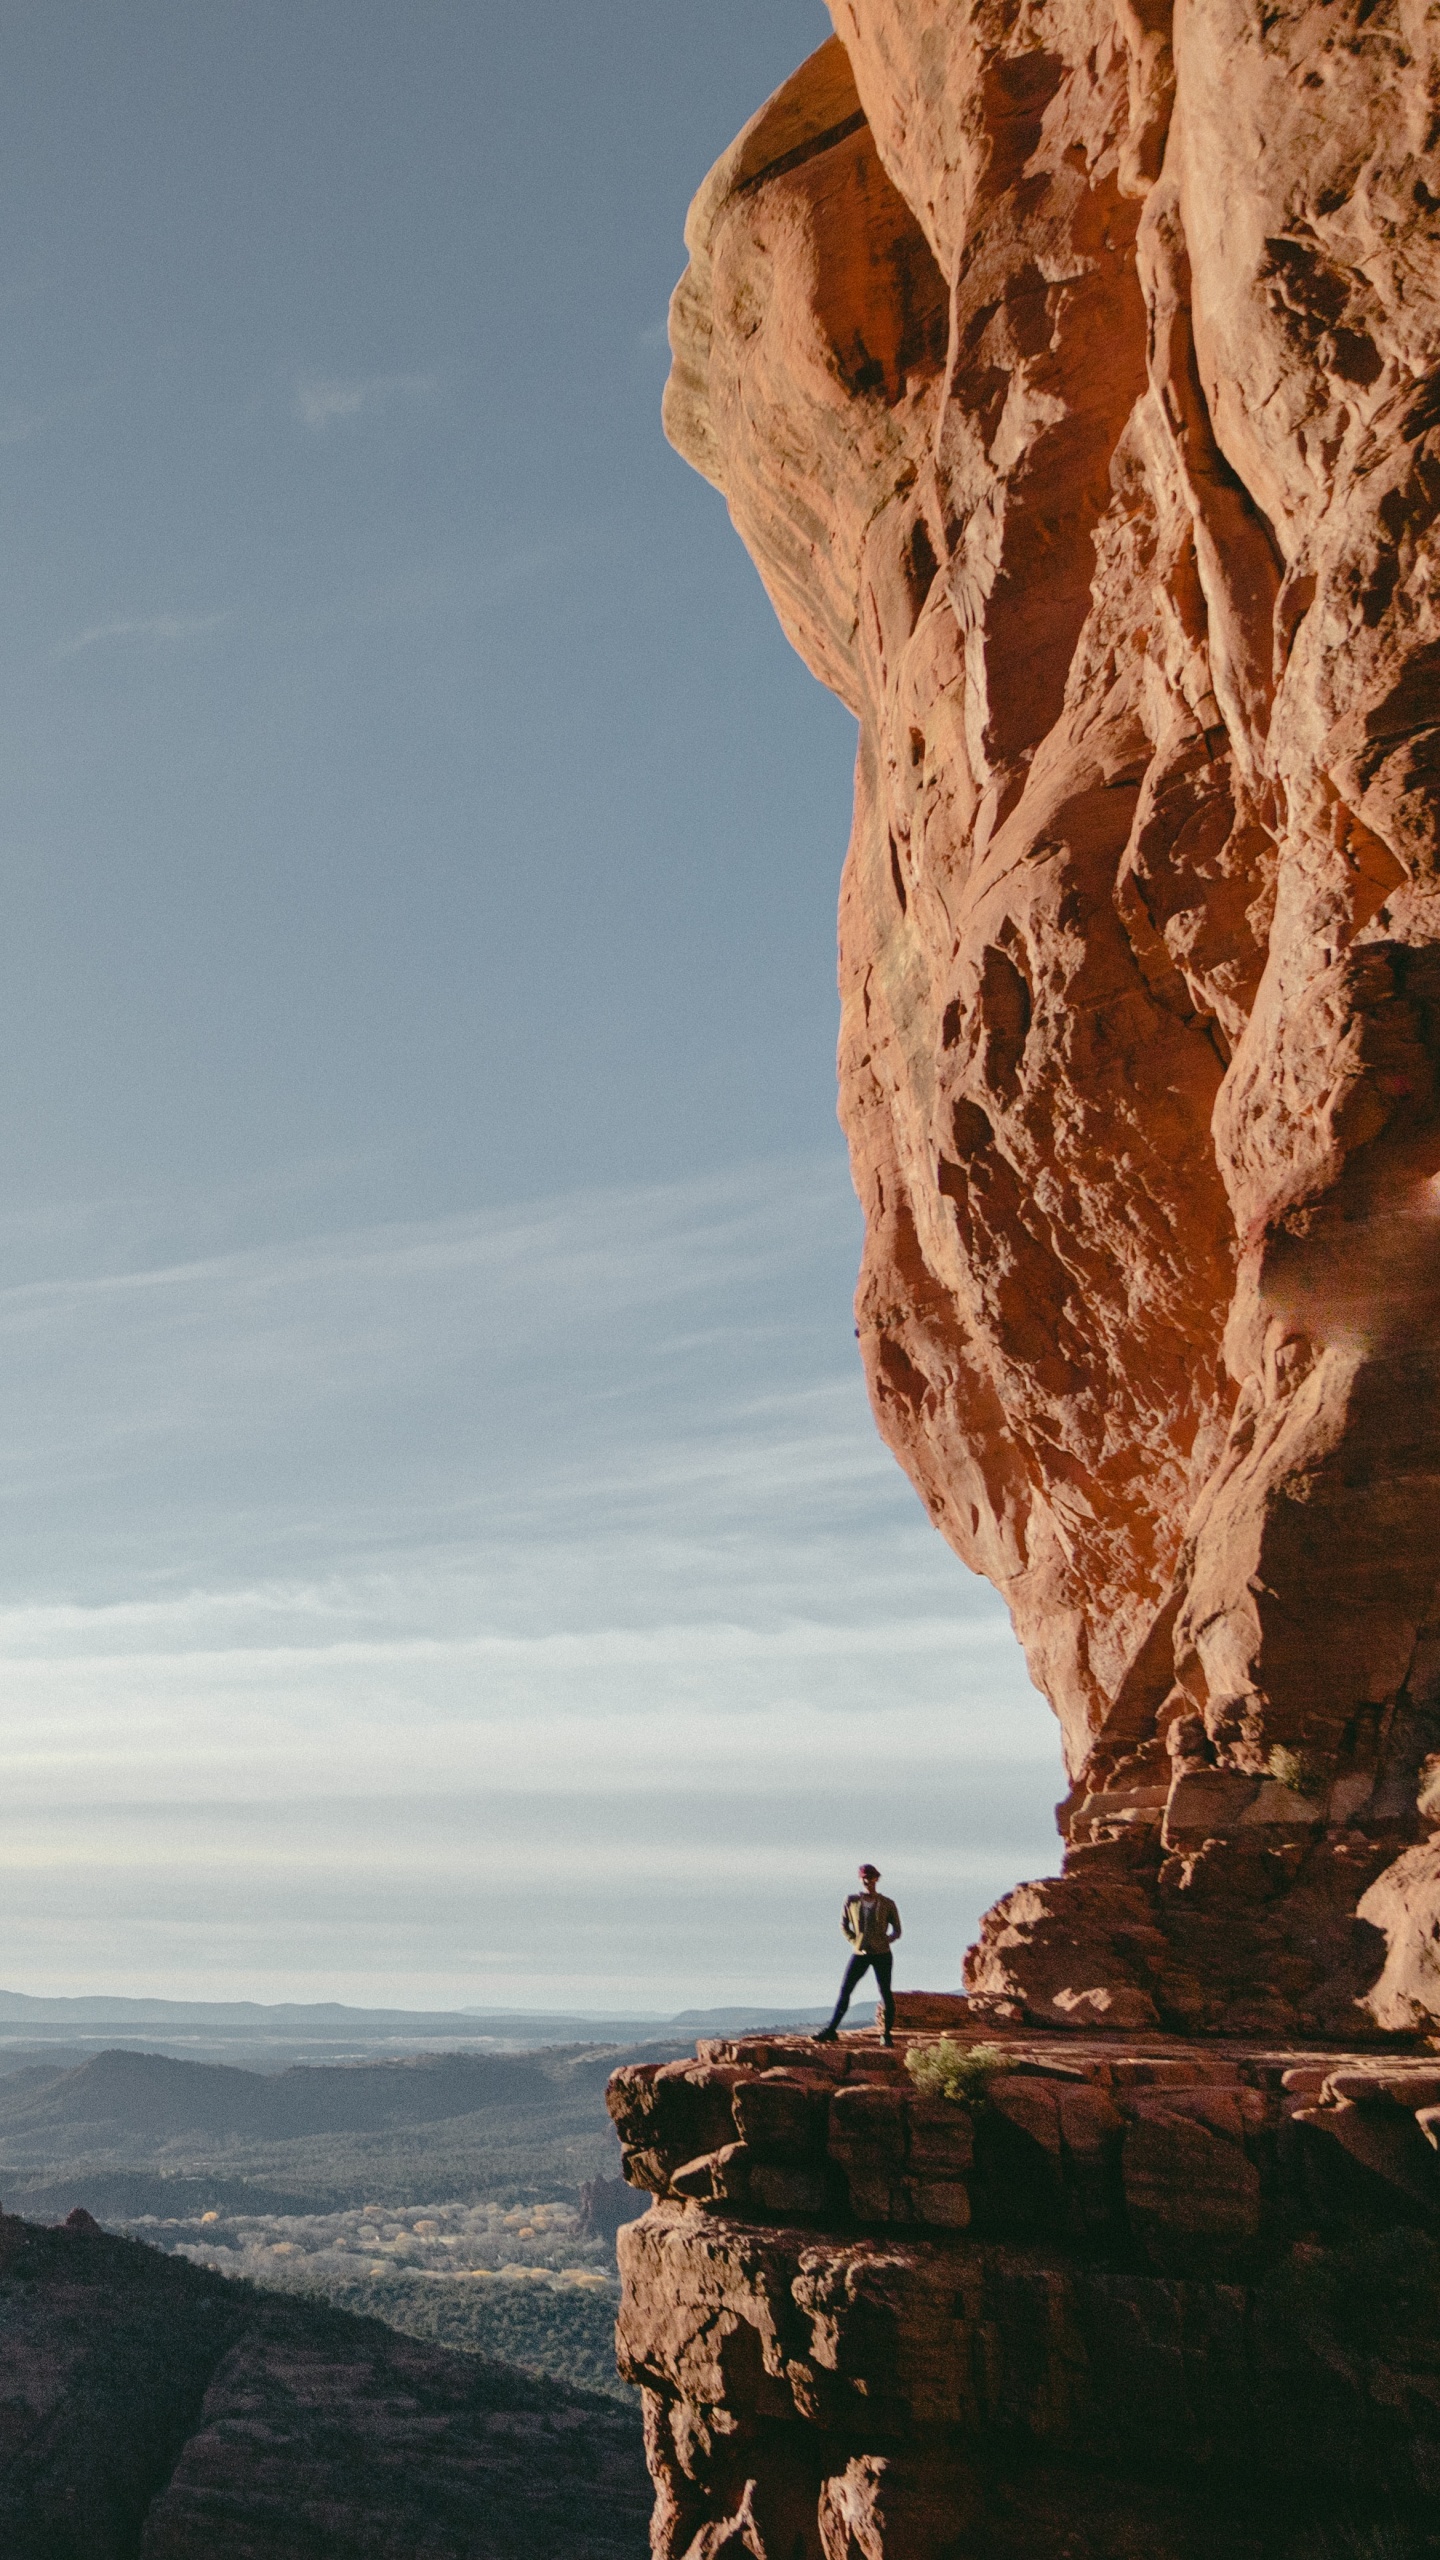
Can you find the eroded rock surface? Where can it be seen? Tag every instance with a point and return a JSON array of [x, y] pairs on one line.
[[1136, 2301], [1071, 373]]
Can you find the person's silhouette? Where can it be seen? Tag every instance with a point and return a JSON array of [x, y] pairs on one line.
[[872, 1924]]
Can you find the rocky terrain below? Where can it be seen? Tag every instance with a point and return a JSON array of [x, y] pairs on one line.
[[151, 2410]]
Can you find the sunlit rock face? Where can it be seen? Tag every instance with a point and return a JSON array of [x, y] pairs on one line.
[[1071, 376]]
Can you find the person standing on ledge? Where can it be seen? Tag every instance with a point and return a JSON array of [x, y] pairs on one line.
[[872, 1925]]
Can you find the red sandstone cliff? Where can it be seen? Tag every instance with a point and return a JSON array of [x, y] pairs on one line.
[[1130, 2299], [1071, 375]]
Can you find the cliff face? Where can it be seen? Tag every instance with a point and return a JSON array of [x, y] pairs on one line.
[[1129, 2301], [1070, 373]]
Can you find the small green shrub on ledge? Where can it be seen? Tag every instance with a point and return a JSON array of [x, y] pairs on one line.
[[958, 2071], [1300, 1771]]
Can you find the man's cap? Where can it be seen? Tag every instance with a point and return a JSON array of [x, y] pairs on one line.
[[868, 1870]]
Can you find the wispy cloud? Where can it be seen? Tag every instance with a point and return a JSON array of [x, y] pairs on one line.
[[142, 626], [568, 1520], [323, 400]]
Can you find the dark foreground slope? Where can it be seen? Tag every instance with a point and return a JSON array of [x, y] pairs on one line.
[[152, 2411]]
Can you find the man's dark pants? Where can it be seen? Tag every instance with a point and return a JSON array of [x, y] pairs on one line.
[[859, 1964]]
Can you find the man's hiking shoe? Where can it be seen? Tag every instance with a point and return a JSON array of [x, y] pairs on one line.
[[887, 2042], [826, 2035]]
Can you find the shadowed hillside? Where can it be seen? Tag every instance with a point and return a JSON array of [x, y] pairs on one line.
[[154, 2412], [130, 2133], [148, 2095]]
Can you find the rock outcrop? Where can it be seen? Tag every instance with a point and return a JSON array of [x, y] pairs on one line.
[[1070, 369], [1164, 2299]]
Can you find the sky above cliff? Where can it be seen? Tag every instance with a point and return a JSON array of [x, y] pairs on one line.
[[448, 1553]]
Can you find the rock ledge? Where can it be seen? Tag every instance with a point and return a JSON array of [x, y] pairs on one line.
[[1144, 2296]]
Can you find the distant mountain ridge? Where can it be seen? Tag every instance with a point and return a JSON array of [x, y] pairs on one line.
[[30, 2009], [127, 2132], [23, 2008], [257, 2035], [153, 2096]]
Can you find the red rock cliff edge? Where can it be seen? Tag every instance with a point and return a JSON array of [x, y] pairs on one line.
[[1072, 374]]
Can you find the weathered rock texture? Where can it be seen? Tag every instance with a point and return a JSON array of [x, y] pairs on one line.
[[1073, 377], [1141, 2302]]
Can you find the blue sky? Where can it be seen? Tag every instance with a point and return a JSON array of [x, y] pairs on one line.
[[448, 1552]]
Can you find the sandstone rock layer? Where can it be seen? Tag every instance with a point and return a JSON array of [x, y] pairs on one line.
[[1135, 2301], [1070, 369]]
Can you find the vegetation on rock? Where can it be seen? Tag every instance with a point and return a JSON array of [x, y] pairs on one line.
[[950, 2070]]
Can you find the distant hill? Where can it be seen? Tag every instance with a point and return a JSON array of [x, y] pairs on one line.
[[332, 2164], [28, 2008], [23, 2008], [268, 2035], [130, 2133], [155, 2098]]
